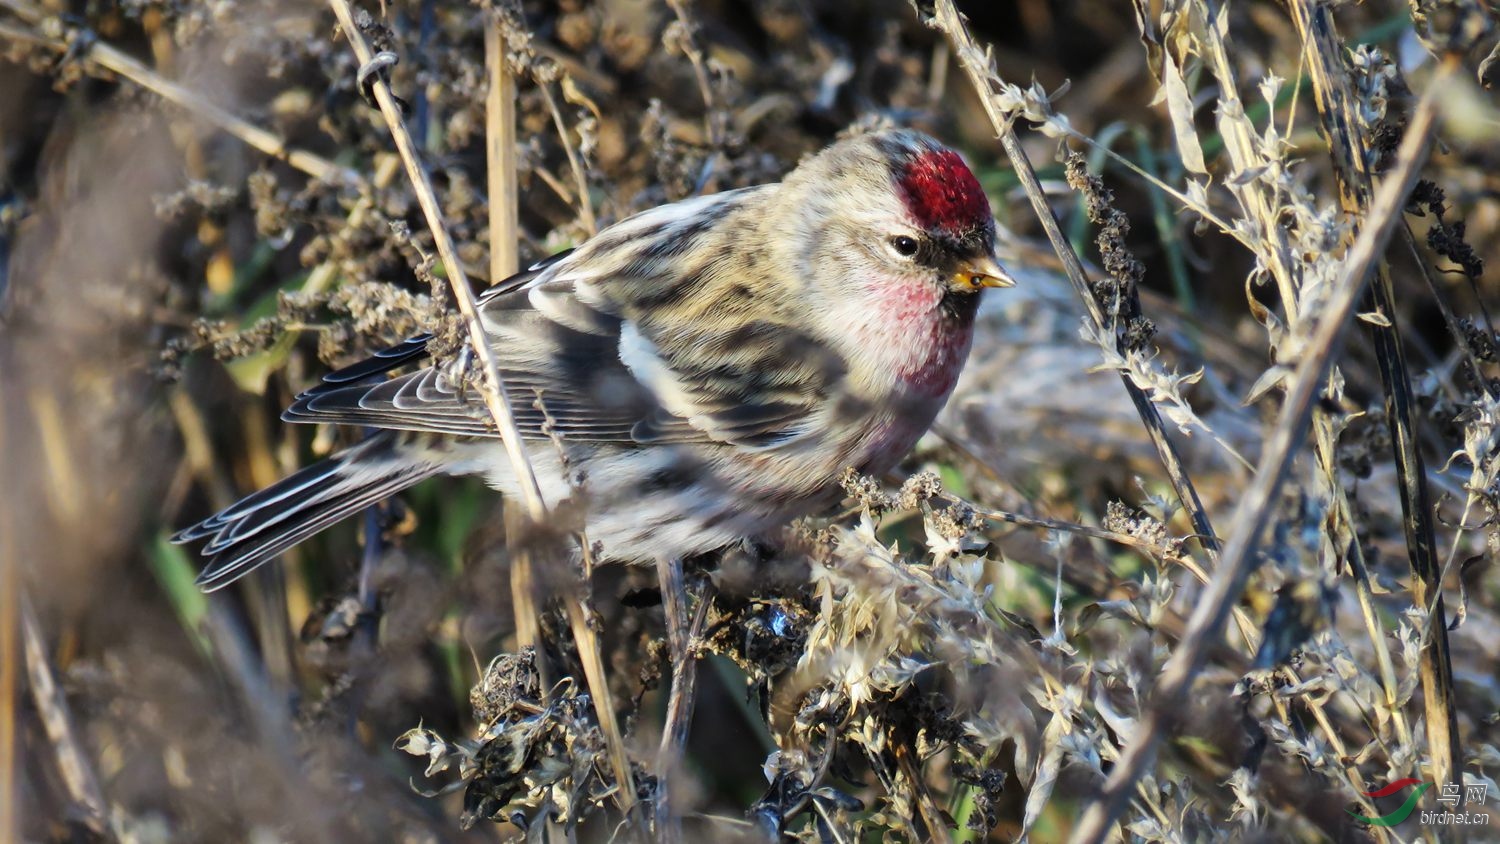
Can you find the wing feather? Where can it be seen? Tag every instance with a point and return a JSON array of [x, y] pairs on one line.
[[602, 357]]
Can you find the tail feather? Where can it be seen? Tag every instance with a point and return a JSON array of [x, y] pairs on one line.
[[304, 479], [263, 525]]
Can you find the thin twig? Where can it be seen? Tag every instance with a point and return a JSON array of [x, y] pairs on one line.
[[1254, 510], [26, 36], [593, 672], [500, 153], [1244, 156], [712, 117], [130, 68], [1341, 753], [933, 818], [976, 64], [1242, 620], [504, 224], [10, 675], [1350, 156], [683, 694], [493, 389], [580, 178], [1363, 590], [1439, 298], [73, 763]]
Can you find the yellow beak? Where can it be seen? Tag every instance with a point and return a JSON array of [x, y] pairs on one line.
[[983, 271]]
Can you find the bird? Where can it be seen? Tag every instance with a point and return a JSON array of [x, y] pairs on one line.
[[694, 376]]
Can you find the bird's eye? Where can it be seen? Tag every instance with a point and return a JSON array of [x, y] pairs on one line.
[[904, 246]]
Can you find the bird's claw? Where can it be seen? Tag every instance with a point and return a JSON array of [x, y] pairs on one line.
[[378, 67], [465, 370], [73, 30]]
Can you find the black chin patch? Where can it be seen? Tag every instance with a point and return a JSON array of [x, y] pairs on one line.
[[959, 306]]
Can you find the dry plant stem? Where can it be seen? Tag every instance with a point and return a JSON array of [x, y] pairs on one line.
[[500, 154], [1322, 47], [1341, 752], [10, 680], [933, 817], [197, 446], [604, 709], [554, 183], [493, 390], [1242, 620], [500, 167], [975, 64], [1439, 298], [700, 73], [128, 67], [1240, 147], [580, 178], [523, 587], [1254, 510], [681, 698], [73, 763], [23, 35], [1363, 591]]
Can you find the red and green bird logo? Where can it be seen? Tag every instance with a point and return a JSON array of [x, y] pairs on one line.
[[1400, 814]]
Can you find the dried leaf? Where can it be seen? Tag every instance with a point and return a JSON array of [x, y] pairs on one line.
[[1268, 380], [1180, 108]]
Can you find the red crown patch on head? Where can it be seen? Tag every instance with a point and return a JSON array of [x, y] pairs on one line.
[[942, 193]]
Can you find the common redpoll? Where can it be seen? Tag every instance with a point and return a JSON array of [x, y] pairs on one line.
[[709, 368]]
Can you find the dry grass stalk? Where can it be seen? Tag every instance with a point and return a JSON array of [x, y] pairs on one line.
[[505, 261], [1241, 619], [1254, 510], [978, 66], [680, 636], [73, 763], [128, 67], [10, 678], [591, 655], [1351, 156], [493, 389], [500, 153], [713, 127], [575, 162]]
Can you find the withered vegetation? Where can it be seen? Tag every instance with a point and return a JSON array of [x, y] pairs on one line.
[[1202, 549]]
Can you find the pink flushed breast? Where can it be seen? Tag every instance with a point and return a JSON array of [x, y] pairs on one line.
[[934, 367], [888, 442], [923, 346]]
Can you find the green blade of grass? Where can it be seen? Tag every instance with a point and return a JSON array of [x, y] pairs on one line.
[[175, 573]]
